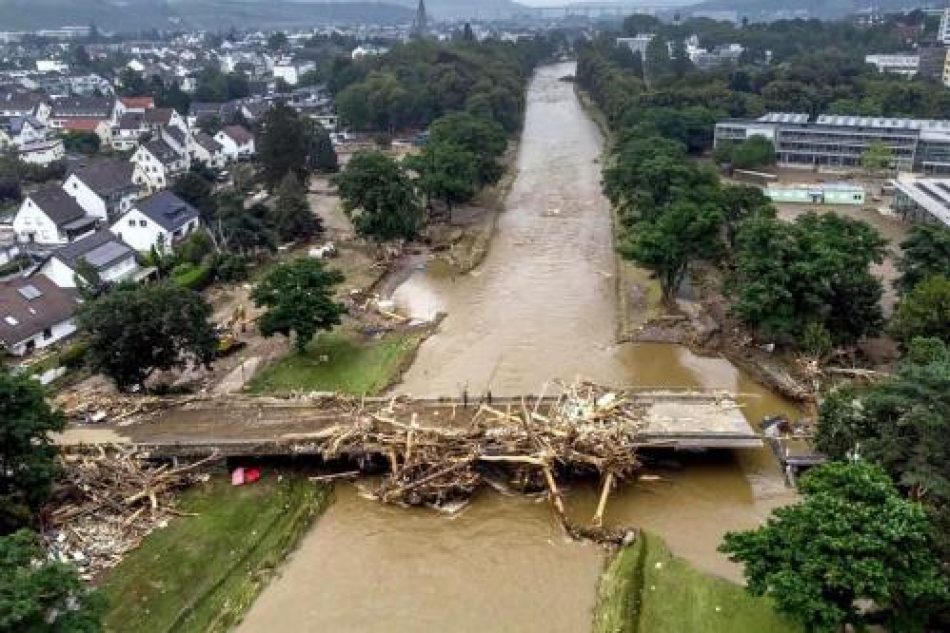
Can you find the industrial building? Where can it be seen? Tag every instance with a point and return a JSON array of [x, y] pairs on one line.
[[836, 141], [922, 199]]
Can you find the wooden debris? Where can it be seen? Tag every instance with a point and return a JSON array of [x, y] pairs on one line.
[[589, 430], [108, 502]]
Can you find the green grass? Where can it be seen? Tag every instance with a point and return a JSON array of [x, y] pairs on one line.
[[202, 573], [352, 365], [645, 589]]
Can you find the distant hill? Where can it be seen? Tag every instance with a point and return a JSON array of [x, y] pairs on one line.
[[759, 9], [137, 15]]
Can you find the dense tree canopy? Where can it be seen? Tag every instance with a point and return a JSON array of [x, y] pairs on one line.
[[27, 456], [134, 330], [925, 253], [813, 270], [446, 172], [418, 82], [852, 538], [901, 423], [380, 197], [298, 296], [924, 311]]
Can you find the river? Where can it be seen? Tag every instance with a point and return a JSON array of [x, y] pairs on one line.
[[542, 306]]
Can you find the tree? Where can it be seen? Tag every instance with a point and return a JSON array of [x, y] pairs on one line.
[[680, 234], [298, 296], [813, 270], [924, 311], [277, 41], [134, 330], [925, 253], [853, 538], [482, 137], [446, 172], [282, 146], [876, 159], [740, 203], [293, 218], [321, 157], [378, 195], [27, 455], [195, 188], [82, 142], [901, 424], [41, 596], [657, 61], [755, 151]]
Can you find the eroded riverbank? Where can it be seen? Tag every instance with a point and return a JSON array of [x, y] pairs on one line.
[[542, 306]]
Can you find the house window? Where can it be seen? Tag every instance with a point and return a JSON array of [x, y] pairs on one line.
[[131, 222], [47, 334], [142, 222]]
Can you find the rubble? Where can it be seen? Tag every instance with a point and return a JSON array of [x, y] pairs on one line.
[[108, 501], [587, 430]]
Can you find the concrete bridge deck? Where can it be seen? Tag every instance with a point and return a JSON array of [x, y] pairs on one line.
[[246, 426]]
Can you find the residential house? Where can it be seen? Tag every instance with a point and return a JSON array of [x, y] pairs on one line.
[[104, 188], [178, 138], [158, 221], [50, 217], [159, 163], [208, 151], [35, 313], [42, 152], [24, 104], [126, 105], [80, 111], [101, 254], [237, 142], [200, 111]]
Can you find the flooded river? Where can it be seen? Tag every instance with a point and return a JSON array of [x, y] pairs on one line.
[[542, 306]]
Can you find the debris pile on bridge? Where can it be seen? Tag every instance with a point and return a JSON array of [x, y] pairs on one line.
[[107, 502], [588, 430]]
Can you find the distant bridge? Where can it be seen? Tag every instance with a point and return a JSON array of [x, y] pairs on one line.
[[266, 426]]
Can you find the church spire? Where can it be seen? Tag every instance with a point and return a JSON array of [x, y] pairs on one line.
[[420, 24]]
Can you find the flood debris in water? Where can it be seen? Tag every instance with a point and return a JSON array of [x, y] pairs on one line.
[[586, 430]]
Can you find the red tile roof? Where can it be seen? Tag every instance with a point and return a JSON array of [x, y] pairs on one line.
[[138, 102]]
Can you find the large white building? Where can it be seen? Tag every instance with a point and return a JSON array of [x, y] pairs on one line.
[[943, 34], [906, 65]]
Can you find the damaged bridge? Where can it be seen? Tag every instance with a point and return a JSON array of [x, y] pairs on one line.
[[194, 427]]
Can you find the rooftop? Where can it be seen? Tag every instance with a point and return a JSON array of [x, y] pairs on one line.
[[99, 249], [58, 206], [30, 305], [106, 177], [932, 194], [167, 210]]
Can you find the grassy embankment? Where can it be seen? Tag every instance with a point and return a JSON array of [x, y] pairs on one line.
[[645, 589], [342, 360], [202, 572]]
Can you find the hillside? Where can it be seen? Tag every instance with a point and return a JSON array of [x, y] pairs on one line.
[[137, 15], [761, 9]]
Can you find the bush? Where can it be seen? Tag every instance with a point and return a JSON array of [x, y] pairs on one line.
[[193, 277], [74, 356], [231, 268]]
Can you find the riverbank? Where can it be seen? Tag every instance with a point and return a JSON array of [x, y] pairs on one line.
[[203, 571], [345, 361], [645, 589], [701, 323]]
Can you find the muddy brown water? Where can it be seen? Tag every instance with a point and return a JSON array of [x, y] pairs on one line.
[[542, 306]]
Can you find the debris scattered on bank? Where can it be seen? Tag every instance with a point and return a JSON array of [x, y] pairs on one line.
[[109, 500]]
